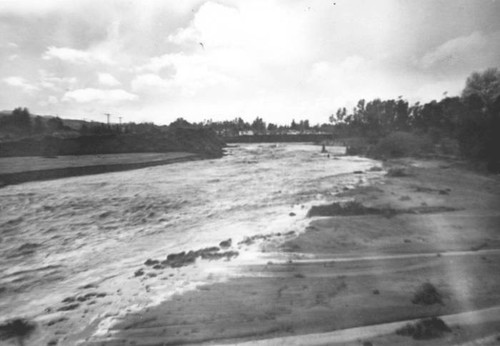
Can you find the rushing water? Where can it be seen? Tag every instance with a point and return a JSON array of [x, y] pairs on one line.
[[59, 235]]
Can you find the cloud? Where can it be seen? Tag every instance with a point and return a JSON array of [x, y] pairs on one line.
[[20, 82], [189, 75], [75, 56], [436, 89], [49, 81], [273, 58], [465, 52], [263, 31], [50, 101], [30, 6], [107, 79], [9, 45], [101, 95], [214, 25], [149, 83]]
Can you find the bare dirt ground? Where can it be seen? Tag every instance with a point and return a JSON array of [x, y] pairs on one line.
[[351, 279]]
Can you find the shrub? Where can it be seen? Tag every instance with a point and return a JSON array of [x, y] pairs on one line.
[[402, 144], [427, 294], [354, 150], [448, 146], [429, 328], [16, 328], [397, 172]]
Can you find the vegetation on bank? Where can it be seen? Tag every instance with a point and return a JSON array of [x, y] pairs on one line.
[[468, 125], [26, 135]]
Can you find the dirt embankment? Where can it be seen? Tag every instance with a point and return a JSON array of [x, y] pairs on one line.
[[15, 170], [48, 157], [200, 141], [357, 269]]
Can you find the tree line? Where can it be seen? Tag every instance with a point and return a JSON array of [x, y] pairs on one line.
[[22, 122], [472, 119]]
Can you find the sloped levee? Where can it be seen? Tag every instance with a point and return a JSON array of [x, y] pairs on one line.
[[200, 141], [67, 167]]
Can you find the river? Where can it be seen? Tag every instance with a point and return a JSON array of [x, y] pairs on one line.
[[57, 236]]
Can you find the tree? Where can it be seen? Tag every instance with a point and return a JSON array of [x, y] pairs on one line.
[[180, 122], [339, 116], [479, 125], [55, 124], [39, 126], [258, 125], [485, 84], [21, 118], [272, 127], [306, 125]]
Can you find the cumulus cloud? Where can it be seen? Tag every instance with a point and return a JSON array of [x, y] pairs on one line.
[[190, 74], [75, 56], [20, 82], [50, 81], [464, 52], [263, 31], [149, 82], [107, 79], [102, 95], [214, 25]]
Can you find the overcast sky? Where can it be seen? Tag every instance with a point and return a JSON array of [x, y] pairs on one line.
[[156, 60]]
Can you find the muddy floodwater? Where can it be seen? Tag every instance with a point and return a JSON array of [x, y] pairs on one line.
[[63, 236]]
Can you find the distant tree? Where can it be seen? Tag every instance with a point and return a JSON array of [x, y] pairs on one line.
[[55, 124], [241, 125], [339, 116], [180, 122], [485, 84], [258, 125], [84, 129], [272, 127], [38, 126], [479, 131], [21, 118]]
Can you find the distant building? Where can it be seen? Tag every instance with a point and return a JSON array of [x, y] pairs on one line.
[[246, 133]]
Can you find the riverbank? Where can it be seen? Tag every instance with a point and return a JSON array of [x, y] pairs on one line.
[[435, 222], [15, 170]]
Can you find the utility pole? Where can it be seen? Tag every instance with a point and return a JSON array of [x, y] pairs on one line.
[[120, 120], [107, 115]]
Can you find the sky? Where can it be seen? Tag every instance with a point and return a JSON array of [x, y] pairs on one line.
[[158, 60]]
